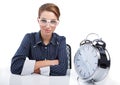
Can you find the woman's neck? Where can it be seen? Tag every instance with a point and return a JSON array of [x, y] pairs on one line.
[[46, 39]]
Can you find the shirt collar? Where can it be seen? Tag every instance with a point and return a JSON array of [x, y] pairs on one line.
[[54, 39], [39, 40]]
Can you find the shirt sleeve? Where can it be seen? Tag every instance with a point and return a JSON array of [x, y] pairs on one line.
[[28, 67], [61, 69], [45, 71], [19, 58]]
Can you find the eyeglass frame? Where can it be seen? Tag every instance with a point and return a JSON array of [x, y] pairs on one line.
[[48, 21]]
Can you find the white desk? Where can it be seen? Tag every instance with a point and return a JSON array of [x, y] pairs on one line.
[[6, 78]]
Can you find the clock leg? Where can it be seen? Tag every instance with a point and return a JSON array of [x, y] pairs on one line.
[[81, 82]]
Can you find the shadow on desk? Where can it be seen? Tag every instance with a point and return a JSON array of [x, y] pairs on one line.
[[36, 79], [106, 81]]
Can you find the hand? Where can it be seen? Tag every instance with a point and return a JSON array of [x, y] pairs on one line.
[[40, 64], [37, 71]]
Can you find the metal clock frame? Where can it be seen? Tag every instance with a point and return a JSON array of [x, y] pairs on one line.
[[103, 65]]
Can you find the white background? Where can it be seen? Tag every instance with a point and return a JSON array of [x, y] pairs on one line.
[[78, 18]]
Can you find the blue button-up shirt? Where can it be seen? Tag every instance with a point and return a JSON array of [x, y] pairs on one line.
[[33, 47]]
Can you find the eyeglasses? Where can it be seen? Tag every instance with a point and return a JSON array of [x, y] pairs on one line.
[[52, 23]]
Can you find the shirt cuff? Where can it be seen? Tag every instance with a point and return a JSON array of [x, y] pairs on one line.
[[45, 71], [28, 67]]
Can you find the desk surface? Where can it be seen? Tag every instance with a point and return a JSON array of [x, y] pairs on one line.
[[6, 78]]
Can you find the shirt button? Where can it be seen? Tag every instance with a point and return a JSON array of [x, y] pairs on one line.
[[45, 47]]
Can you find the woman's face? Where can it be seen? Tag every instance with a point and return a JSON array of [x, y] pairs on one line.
[[48, 22]]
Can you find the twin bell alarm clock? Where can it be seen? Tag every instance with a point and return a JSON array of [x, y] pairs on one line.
[[92, 60]]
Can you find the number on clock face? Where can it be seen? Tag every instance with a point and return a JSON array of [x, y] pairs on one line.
[[86, 60]]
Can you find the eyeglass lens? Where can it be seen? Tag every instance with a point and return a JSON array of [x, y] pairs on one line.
[[44, 22]]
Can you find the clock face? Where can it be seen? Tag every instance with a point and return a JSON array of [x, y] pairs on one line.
[[86, 61]]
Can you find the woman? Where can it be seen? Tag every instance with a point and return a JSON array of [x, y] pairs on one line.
[[45, 50]]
